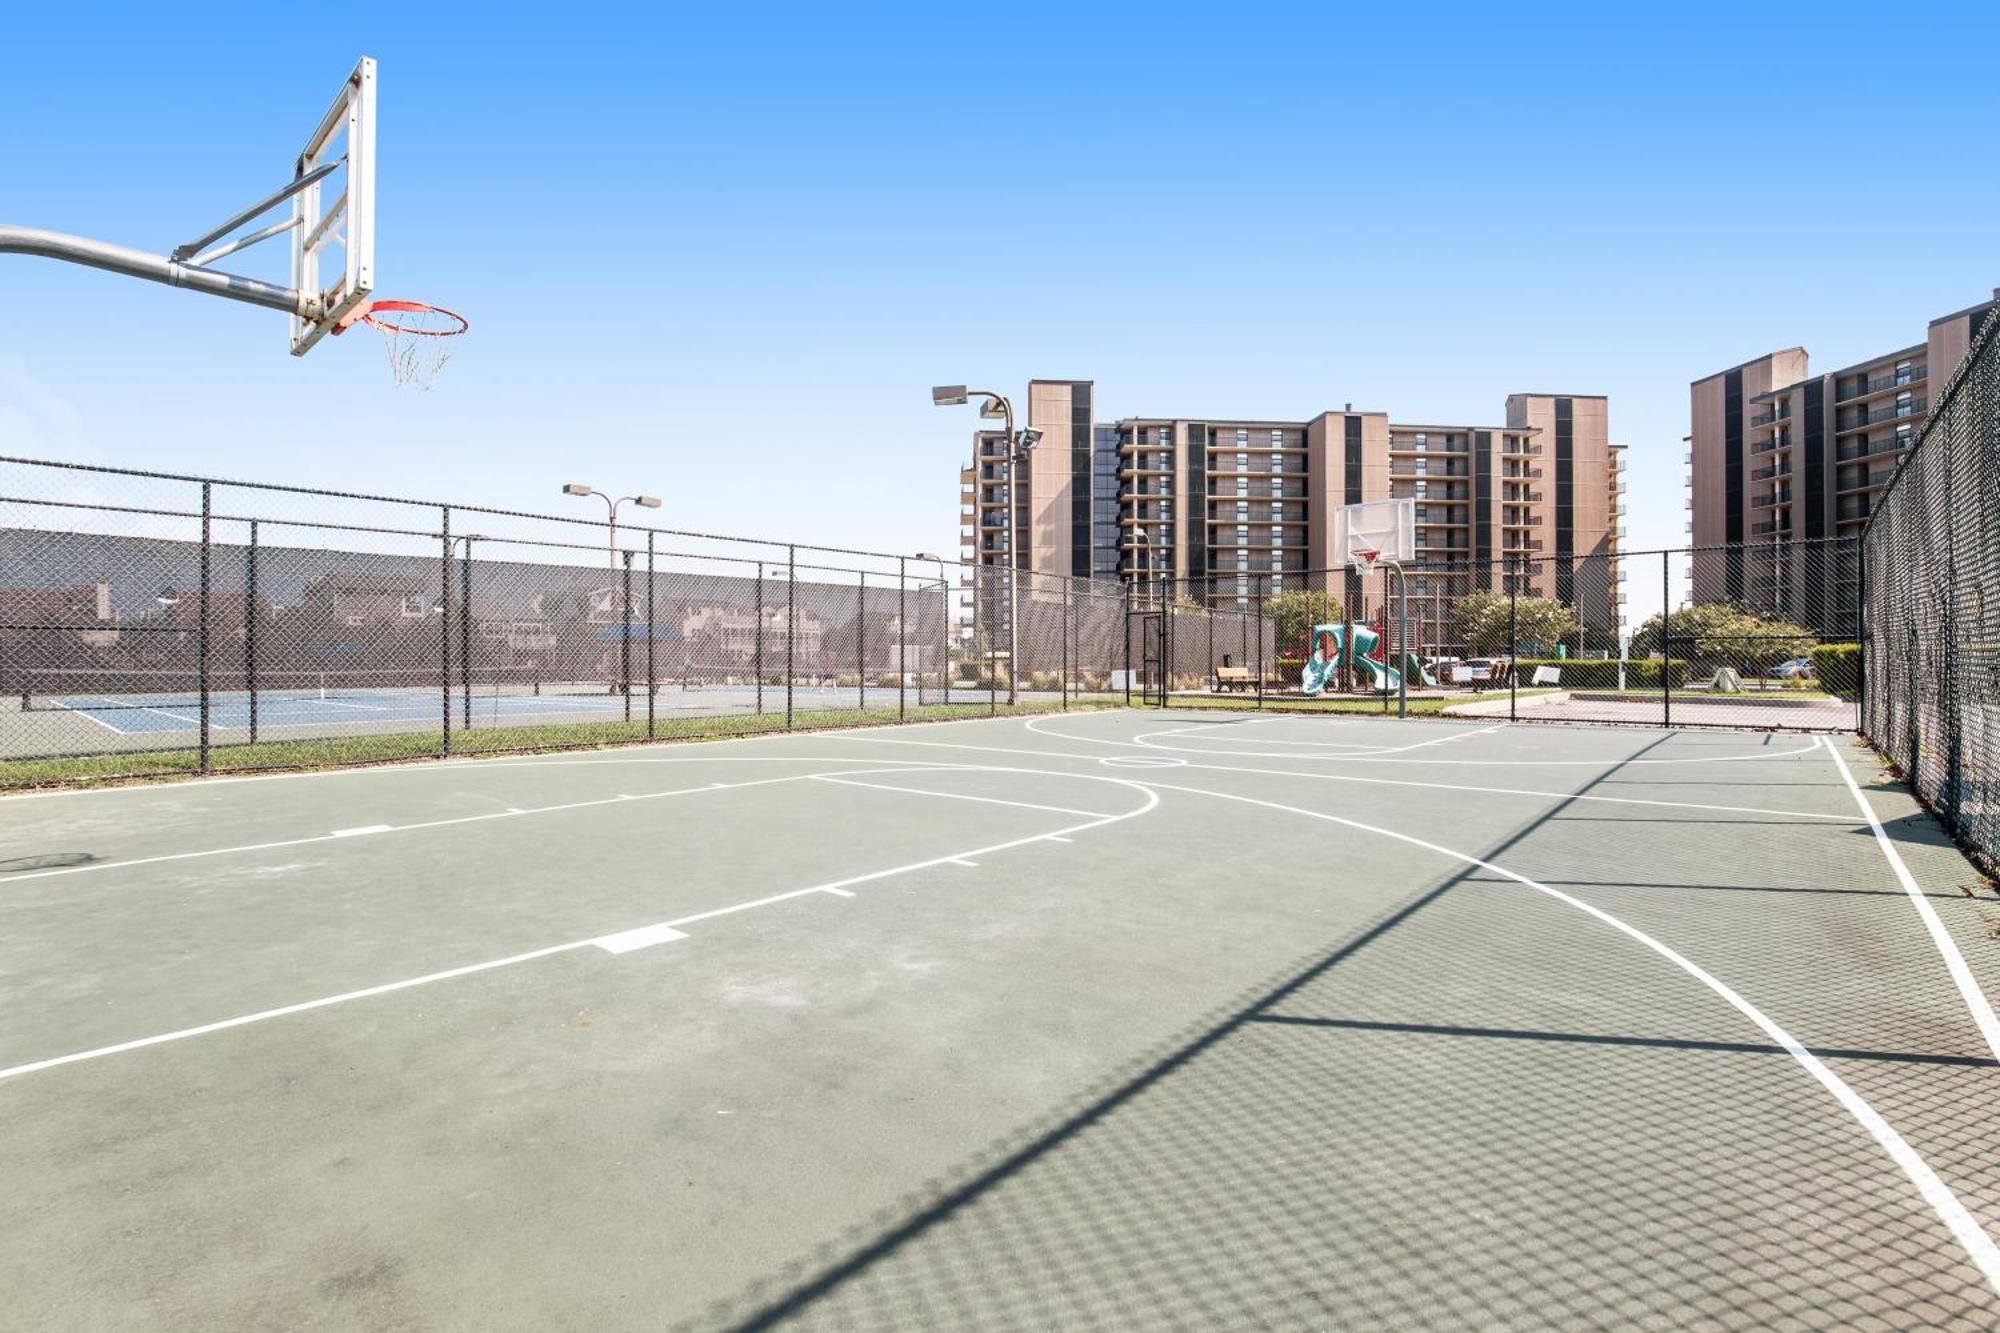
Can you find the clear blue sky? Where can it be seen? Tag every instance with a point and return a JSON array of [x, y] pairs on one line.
[[721, 254]]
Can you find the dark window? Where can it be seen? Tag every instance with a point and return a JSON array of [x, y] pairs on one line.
[[1565, 499], [1732, 480]]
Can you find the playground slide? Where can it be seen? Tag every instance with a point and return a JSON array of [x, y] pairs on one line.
[[1414, 667], [1330, 651], [1386, 679]]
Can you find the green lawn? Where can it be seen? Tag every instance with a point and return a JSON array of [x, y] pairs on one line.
[[348, 751]]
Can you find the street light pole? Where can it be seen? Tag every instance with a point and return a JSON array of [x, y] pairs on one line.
[[643, 501], [1015, 453]]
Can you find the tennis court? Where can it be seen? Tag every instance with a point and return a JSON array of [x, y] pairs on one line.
[[368, 709], [1115, 1019]]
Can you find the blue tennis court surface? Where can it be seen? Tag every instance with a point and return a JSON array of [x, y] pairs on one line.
[[131, 715]]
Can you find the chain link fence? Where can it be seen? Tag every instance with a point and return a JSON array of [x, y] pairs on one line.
[[161, 624], [157, 624], [1932, 555], [1760, 637]]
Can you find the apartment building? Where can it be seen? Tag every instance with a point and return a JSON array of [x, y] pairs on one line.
[[1243, 507], [1778, 456]]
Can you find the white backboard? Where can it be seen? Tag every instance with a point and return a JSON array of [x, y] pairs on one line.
[[1388, 527], [333, 237]]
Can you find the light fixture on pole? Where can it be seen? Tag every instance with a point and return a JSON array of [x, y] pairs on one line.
[[998, 407], [643, 501]]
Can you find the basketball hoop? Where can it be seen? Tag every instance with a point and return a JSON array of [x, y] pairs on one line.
[[1364, 562], [415, 336]]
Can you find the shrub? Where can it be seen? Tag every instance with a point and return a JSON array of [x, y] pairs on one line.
[[1838, 667], [1597, 674]]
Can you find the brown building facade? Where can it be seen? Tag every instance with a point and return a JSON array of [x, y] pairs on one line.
[[1246, 506], [1779, 456]]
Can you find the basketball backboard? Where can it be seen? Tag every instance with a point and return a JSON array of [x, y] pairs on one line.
[[333, 244], [1374, 531]]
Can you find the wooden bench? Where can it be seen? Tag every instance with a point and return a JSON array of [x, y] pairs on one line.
[[1233, 678]]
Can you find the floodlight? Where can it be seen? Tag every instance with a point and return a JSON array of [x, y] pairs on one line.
[[646, 501], [576, 488], [1030, 437], [947, 395]]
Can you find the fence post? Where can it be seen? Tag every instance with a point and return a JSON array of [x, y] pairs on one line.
[[902, 640], [1257, 605], [791, 623], [625, 631], [1128, 643], [653, 637], [1860, 634], [1062, 678], [250, 627], [465, 635], [201, 626], [1666, 642], [757, 640], [1513, 638], [861, 637], [993, 652], [444, 624]]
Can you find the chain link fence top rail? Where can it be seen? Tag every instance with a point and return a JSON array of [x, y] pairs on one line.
[[1932, 562], [153, 623]]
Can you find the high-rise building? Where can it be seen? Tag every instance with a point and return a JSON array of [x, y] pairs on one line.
[[1779, 457], [1246, 506]]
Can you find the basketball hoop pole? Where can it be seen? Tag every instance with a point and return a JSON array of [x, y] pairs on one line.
[[1402, 668], [154, 268]]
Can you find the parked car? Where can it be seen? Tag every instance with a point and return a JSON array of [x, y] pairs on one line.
[[1799, 668]]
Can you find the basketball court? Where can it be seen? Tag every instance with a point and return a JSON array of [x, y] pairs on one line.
[[1126, 1018], [1144, 1018]]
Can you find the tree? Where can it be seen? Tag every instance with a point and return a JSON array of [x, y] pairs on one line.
[[1483, 620], [1293, 614], [1730, 634]]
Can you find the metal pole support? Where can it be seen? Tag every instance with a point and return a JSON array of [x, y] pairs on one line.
[[201, 636], [250, 627], [791, 624]]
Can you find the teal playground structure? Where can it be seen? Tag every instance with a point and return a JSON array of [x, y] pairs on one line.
[[1331, 649]]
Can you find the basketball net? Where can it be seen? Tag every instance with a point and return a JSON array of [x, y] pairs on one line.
[[1364, 562], [416, 337]]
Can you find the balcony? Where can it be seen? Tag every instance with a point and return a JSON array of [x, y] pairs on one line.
[[1523, 497], [1522, 474], [1891, 381], [1782, 497], [1767, 418], [1521, 521], [1401, 470], [1125, 473], [1870, 448], [1866, 481], [1783, 469], [1766, 446], [1521, 450], [1855, 508], [1894, 412], [1766, 529]]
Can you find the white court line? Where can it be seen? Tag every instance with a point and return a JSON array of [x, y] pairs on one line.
[[1954, 962], [1367, 751], [837, 888], [1383, 782], [1462, 763], [64, 706], [484, 817], [645, 937], [493, 763], [960, 796], [1955, 1215]]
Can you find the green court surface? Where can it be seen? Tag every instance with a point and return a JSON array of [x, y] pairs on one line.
[[1123, 1019]]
